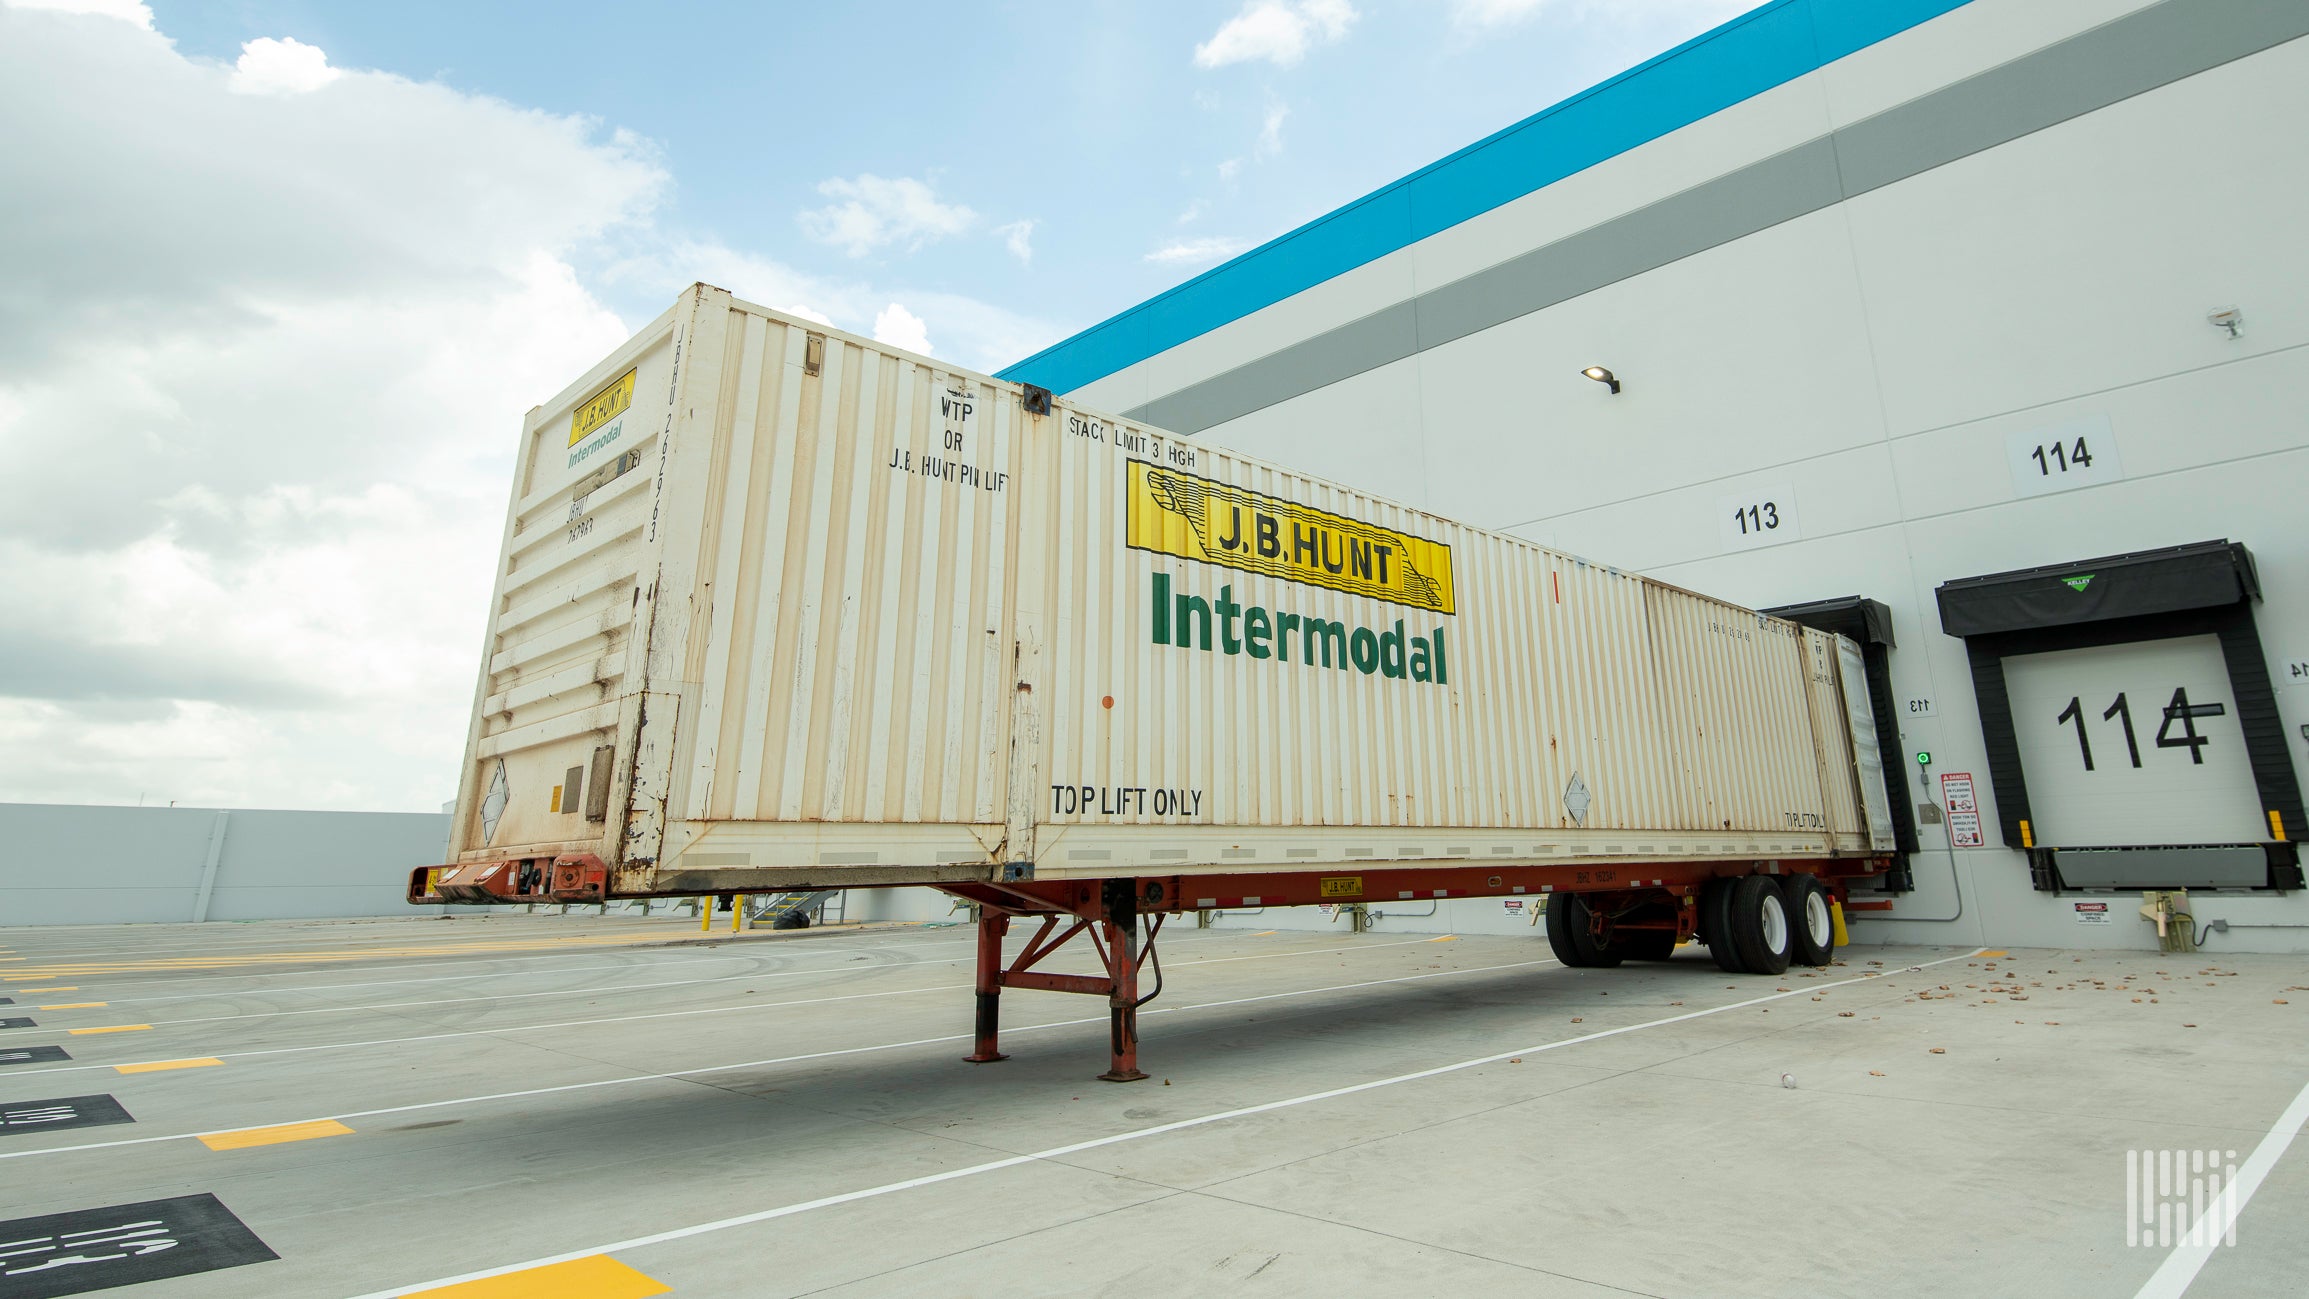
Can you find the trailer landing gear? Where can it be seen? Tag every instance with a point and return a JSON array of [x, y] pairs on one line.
[[1111, 925]]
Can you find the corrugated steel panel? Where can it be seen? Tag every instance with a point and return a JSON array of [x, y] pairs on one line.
[[815, 604]]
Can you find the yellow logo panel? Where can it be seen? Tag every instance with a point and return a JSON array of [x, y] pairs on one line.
[[1197, 518], [1342, 886], [601, 408]]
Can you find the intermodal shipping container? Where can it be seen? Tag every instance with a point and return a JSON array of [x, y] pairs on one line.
[[778, 606]]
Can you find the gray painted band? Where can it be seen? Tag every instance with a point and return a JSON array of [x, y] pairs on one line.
[[2128, 56]]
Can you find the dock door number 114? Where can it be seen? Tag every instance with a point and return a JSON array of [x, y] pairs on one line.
[[2179, 712]]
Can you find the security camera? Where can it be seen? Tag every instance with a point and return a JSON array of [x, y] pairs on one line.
[[2228, 318]]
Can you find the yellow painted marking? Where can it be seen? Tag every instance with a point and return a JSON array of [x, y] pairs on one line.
[[1266, 933], [275, 1136], [29, 991], [1447, 938], [598, 1277], [1997, 954], [75, 1005], [327, 956], [155, 1066], [110, 1028]]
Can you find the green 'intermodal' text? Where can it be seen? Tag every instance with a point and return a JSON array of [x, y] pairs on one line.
[[1187, 621]]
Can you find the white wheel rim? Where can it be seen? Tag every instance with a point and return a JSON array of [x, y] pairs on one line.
[[1816, 920], [1775, 925]]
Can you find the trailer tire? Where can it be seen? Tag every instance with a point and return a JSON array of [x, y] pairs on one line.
[[792, 920], [1569, 934], [1811, 930], [1716, 925], [1758, 925]]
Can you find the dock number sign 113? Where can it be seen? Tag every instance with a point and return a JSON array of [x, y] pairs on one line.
[[1761, 516]]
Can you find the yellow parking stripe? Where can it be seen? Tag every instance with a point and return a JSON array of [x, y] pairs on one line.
[[111, 1028], [155, 1066], [30, 991], [275, 1136], [322, 956], [75, 1005], [598, 1277]]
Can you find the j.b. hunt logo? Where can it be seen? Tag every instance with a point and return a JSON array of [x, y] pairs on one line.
[[1187, 621], [1233, 527], [595, 412]]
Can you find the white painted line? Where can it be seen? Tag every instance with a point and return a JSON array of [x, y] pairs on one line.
[[1137, 1134], [681, 1014], [2180, 1268], [757, 1064], [754, 976], [671, 955], [178, 977]]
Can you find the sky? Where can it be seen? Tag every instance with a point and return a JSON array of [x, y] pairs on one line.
[[278, 281]]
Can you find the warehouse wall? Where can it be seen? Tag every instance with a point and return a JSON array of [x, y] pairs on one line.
[[1854, 294], [76, 865]]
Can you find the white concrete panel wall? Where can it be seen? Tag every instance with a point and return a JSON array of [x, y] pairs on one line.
[[74, 865], [1871, 359]]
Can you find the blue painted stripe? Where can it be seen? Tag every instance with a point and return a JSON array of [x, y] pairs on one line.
[[1766, 47]]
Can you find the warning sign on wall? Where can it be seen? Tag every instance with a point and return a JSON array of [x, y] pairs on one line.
[[2092, 913], [1963, 810]]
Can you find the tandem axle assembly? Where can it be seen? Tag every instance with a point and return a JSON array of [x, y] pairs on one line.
[[1755, 917]]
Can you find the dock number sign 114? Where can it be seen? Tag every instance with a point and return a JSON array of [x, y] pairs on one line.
[[2060, 457]]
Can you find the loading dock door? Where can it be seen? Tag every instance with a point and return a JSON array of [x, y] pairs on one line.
[[2131, 730], [2133, 744]]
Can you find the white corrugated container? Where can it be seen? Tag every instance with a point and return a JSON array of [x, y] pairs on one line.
[[779, 605]]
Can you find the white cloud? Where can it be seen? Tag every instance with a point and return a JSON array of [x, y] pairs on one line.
[[128, 11], [1276, 31], [1503, 13], [1195, 252], [1230, 168], [976, 333], [262, 448], [901, 328], [874, 212], [264, 445], [1271, 131], [1193, 212], [1018, 237], [810, 313], [281, 67]]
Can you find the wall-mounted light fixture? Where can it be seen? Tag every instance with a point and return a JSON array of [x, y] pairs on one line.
[[2228, 318], [1604, 377]]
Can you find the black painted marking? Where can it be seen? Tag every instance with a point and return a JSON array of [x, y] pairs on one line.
[[59, 1114], [18, 1021], [98, 1249], [7, 1001], [28, 1054]]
